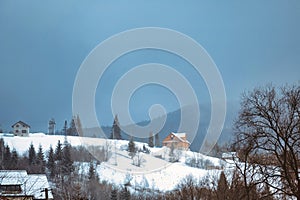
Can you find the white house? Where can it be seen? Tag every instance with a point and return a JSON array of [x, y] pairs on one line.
[[20, 128]]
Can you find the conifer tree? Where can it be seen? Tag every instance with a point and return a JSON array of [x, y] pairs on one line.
[[14, 159], [92, 172], [78, 126], [51, 162], [156, 140], [116, 131], [131, 148], [58, 151], [58, 158], [2, 150], [150, 142], [125, 194], [6, 157], [67, 161], [114, 194], [65, 128], [222, 188], [40, 160], [72, 129], [31, 155]]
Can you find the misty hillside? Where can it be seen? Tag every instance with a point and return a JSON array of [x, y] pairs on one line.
[[172, 125]]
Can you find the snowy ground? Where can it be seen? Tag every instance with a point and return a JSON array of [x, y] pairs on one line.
[[154, 173]]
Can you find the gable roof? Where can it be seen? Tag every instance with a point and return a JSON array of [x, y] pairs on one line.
[[31, 184], [12, 177], [181, 137], [20, 122]]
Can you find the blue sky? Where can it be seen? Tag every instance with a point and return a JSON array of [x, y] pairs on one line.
[[43, 43]]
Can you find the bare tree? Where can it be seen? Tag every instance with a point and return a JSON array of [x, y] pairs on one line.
[[268, 126]]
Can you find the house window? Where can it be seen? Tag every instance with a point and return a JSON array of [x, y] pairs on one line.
[[17, 125], [24, 131], [24, 126], [17, 131]]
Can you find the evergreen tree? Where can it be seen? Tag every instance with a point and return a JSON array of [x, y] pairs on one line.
[[78, 126], [67, 161], [40, 160], [125, 194], [114, 194], [58, 151], [116, 131], [131, 148], [2, 150], [65, 128], [58, 158], [222, 188], [31, 155], [156, 140], [6, 157], [14, 159], [150, 142], [92, 172], [72, 129], [51, 162]]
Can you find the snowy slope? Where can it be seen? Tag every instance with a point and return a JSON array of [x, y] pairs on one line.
[[154, 173]]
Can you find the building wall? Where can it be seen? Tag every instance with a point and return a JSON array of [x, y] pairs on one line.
[[168, 142], [20, 130]]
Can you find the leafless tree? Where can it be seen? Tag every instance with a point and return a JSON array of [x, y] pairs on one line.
[[268, 135]]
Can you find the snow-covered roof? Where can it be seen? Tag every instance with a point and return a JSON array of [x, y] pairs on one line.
[[181, 137], [20, 122], [12, 177], [36, 184], [229, 155], [31, 185], [179, 134]]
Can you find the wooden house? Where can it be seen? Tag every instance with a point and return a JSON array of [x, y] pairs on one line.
[[176, 140]]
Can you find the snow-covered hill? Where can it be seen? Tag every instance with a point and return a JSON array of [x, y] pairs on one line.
[[154, 173]]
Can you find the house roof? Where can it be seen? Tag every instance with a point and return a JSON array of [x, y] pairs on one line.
[[31, 185], [35, 185], [229, 154], [20, 122], [12, 177], [181, 137]]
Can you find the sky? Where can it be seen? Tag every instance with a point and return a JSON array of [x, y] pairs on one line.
[[43, 44]]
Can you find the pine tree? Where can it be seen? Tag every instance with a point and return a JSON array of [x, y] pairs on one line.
[[114, 194], [125, 194], [79, 126], [31, 155], [40, 160], [67, 161], [2, 150], [72, 129], [150, 142], [6, 157], [131, 148], [92, 172], [51, 162], [14, 159], [58, 151], [65, 128], [222, 188], [116, 131], [157, 140], [58, 158]]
